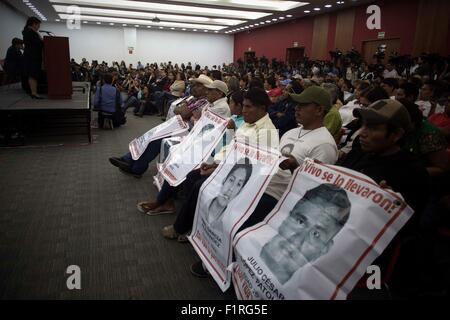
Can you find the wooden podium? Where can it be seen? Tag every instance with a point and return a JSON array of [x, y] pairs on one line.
[[57, 66]]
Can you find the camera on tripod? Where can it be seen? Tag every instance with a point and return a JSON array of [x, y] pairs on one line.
[[381, 53]]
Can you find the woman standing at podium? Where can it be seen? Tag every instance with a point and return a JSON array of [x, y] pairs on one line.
[[33, 54]]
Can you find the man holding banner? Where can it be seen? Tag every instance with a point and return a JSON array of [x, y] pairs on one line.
[[137, 166], [258, 129], [225, 200], [379, 220], [193, 150], [310, 140], [317, 247]]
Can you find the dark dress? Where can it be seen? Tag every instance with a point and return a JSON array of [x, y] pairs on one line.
[[32, 54]]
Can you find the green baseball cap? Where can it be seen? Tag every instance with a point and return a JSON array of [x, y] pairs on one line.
[[386, 112], [315, 95]]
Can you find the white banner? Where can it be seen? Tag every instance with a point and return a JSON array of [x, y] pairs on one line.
[[328, 227], [225, 202], [173, 126], [166, 145], [194, 149]]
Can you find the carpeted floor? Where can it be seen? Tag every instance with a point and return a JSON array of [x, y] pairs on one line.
[[62, 204]]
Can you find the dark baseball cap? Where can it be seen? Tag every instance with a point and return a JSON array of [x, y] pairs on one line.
[[315, 95], [16, 41], [386, 111]]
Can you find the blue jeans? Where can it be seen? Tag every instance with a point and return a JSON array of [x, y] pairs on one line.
[[140, 165], [166, 193]]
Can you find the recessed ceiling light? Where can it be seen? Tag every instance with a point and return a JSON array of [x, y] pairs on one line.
[[307, 11], [328, 6], [140, 22], [99, 22], [172, 8], [145, 15], [289, 16], [316, 9], [281, 18], [111, 24]]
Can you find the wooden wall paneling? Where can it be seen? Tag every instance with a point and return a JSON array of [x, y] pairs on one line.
[[320, 37], [345, 25], [432, 27]]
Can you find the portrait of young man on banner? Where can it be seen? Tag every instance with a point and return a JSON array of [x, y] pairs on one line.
[[307, 232], [226, 200], [194, 149], [232, 185], [328, 227]]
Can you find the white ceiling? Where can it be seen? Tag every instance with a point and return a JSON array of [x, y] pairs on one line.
[[219, 16]]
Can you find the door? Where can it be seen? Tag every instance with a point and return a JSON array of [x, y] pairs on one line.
[[371, 47], [249, 56], [294, 56]]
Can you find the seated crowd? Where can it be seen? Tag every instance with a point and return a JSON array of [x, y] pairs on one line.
[[391, 125]]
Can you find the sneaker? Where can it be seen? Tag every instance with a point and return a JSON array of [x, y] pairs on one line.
[[128, 172], [119, 163], [198, 270], [183, 238], [169, 232]]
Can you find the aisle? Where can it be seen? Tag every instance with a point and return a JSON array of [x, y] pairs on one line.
[[64, 204]]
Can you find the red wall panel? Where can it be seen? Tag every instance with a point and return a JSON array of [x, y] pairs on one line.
[[398, 20], [272, 41]]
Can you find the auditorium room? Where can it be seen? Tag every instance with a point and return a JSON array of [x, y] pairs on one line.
[[224, 151]]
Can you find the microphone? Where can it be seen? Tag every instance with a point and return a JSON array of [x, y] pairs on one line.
[[49, 33]]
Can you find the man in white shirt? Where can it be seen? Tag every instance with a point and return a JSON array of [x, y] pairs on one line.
[[310, 140], [390, 72], [425, 102]]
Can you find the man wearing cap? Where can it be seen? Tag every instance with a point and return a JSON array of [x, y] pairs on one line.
[[14, 61], [217, 97], [310, 140], [137, 168], [380, 157], [191, 109], [385, 124]]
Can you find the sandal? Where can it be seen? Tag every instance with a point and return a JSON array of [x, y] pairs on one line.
[[145, 206], [160, 210]]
